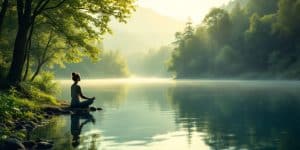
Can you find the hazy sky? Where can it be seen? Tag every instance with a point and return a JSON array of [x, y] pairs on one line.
[[182, 9]]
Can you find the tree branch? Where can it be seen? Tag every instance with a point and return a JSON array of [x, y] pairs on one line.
[[48, 44], [38, 6], [42, 7], [57, 5]]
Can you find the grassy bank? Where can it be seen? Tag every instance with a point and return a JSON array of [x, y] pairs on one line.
[[23, 105]]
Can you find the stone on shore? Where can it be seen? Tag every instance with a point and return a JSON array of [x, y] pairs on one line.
[[44, 145], [29, 144], [12, 144], [93, 108]]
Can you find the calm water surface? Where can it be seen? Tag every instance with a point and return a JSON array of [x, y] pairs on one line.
[[163, 114]]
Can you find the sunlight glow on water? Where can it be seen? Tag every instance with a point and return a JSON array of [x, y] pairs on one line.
[[158, 114], [133, 80]]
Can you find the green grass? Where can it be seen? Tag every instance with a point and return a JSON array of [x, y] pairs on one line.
[[25, 103]]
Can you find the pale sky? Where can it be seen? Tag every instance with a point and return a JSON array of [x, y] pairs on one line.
[[182, 9]]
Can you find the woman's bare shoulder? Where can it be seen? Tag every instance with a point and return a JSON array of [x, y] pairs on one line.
[[75, 86]]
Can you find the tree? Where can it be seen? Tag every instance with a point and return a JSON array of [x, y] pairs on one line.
[[189, 29], [27, 12], [48, 50], [218, 23], [259, 39], [89, 17], [262, 7], [4, 7]]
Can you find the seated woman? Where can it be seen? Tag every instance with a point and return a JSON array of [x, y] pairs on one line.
[[76, 94]]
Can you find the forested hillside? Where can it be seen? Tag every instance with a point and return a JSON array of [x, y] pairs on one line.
[[256, 40]]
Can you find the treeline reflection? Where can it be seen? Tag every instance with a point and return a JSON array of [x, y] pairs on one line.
[[239, 117]]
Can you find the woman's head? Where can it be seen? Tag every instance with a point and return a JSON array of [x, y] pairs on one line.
[[75, 77]]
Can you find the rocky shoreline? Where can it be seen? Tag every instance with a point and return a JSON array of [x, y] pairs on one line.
[[17, 142]]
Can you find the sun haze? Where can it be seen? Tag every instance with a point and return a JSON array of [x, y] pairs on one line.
[[182, 9]]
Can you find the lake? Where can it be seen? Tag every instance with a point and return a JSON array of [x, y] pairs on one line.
[[154, 114]]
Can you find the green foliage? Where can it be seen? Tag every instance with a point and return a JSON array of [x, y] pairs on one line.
[[30, 91], [3, 66], [261, 7], [218, 24], [7, 106], [45, 82], [258, 40], [45, 40], [14, 105]]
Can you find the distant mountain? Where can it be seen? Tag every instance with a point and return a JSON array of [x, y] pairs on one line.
[[145, 29]]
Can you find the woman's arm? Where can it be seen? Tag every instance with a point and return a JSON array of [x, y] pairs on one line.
[[81, 95]]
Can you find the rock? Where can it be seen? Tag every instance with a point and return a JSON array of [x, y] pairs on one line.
[[38, 140], [9, 123], [29, 144], [19, 126], [44, 145], [12, 144], [15, 137], [50, 113], [52, 110], [65, 112], [47, 116], [35, 120], [31, 123], [99, 108], [29, 127], [93, 108], [39, 118], [71, 112], [2, 125]]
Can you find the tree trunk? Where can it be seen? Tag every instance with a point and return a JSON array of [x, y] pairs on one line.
[[14, 75], [38, 69], [2, 13], [18, 60], [27, 52], [27, 66]]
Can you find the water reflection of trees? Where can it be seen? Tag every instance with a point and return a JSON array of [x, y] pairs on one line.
[[239, 117], [58, 131]]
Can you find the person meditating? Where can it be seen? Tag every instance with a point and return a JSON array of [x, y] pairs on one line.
[[76, 94]]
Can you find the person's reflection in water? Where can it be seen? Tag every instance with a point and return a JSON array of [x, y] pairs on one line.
[[76, 126]]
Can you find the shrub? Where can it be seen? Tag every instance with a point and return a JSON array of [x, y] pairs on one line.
[[45, 82], [31, 92]]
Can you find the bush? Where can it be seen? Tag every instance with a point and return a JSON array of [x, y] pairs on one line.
[[7, 106], [12, 106], [45, 82], [30, 91]]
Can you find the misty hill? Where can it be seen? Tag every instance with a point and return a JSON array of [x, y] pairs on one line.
[[145, 29]]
